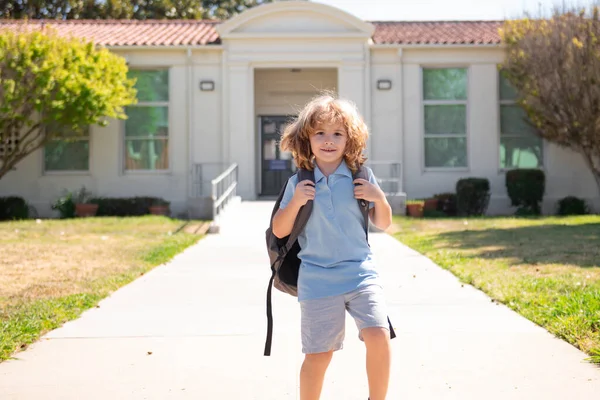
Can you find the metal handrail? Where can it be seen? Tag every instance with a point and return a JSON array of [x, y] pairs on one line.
[[224, 189], [395, 175]]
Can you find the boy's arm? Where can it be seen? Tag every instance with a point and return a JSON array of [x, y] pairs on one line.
[[295, 196], [381, 213], [284, 219]]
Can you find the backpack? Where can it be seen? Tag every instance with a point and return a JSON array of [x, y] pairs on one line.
[[283, 253]]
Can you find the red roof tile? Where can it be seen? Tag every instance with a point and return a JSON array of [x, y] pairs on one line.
[[132, 32], [437, 32], [202, 32]]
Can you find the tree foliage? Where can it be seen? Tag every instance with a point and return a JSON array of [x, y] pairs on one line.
[[48, 80], [554, 66], [125, 9]]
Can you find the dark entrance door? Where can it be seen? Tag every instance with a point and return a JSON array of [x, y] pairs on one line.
[[276, 166]]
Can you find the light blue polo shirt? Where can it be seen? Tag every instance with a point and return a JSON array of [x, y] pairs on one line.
[[335, 256]]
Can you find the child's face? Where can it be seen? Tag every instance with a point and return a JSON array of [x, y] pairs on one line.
[[328, 143]]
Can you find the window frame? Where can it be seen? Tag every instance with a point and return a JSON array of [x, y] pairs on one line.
[[424, 103], [500, 135], [123, 134], [78, 172]]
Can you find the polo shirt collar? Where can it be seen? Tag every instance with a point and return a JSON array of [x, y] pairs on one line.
[[342, 169]]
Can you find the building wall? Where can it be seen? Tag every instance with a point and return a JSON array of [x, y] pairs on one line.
[[284, 91], [106, 176], [253, 76], [397, 128]]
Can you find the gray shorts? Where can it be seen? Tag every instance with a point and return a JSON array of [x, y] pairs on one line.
[[324, 320]]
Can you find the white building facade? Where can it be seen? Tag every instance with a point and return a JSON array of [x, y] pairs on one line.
[[212, 94]]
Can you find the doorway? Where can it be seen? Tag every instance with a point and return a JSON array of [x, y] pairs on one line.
[[276, 166]]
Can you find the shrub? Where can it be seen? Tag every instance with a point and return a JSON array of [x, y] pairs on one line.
[[446, 203], [472, 196], [65, 206], [572, 205], [434, 214], [13, 207], [526, 188], [124, 207]]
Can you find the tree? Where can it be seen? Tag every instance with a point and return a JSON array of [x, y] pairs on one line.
[[554, 66], [125, 9], [48, 80]]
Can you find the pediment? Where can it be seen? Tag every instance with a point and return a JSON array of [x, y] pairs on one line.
[[294, 18]]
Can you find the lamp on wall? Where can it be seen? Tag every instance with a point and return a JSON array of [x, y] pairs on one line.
[[207, 86], [384, 84]]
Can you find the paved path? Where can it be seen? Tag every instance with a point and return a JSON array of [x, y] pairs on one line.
[[202, 317]]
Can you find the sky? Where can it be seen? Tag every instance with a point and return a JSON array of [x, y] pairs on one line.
[[430, 10]]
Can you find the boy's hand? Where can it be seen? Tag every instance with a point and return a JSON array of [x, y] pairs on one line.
[[365, 190], [305, 191]]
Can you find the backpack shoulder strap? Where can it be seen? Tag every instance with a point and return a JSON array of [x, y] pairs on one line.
[[363, 173], [305, 210]]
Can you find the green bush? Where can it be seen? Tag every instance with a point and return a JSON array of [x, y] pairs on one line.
[[526, 189], [446, 203], [65, 206], [572, 205], [13, 207], [124, 207], [472, 196]]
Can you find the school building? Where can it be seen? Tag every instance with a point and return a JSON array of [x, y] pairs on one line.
[[215, 94]]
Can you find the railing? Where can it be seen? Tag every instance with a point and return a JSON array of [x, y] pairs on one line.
[[224, 189], [388, 174], [213, 186]]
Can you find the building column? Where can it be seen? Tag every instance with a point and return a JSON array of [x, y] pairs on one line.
[[239, 140], [352, 86]]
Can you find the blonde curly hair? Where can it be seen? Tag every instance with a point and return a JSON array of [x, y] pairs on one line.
[[326, 109]]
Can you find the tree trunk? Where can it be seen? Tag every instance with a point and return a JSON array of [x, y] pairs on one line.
[[595, 171]]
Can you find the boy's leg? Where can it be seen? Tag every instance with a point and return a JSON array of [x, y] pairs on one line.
[[377, 341], [312, 375], [368, 308], [323, 323]]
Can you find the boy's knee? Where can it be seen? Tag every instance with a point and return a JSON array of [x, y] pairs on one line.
[[375, 334], [319, 358]]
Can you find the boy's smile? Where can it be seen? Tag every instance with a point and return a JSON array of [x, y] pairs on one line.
[[328, 143]]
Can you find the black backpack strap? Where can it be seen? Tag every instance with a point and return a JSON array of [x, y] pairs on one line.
[[392, 333], [299, 225], [303, 213], [363, 173]]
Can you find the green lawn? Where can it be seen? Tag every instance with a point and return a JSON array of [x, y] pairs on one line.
[[547, 269], [53, 270]]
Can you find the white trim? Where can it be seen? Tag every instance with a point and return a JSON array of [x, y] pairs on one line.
[[190, 123], [295, 35], [150, 104], [203, 47], [250, 120], [368, 99], [224, 136], [424, 136], [402, 122], [225, 30], [409, 46]]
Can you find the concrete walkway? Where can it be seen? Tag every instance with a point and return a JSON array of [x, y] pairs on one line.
[[195, 329]]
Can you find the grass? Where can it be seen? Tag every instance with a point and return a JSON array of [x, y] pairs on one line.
[[547, 268], [52, 271]]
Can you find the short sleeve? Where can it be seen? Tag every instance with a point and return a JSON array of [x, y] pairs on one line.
[[372, 180], [289, 191]]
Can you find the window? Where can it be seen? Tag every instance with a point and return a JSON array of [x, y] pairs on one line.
[[519, 146], [147, 123], [445, 117], [67, 150]]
